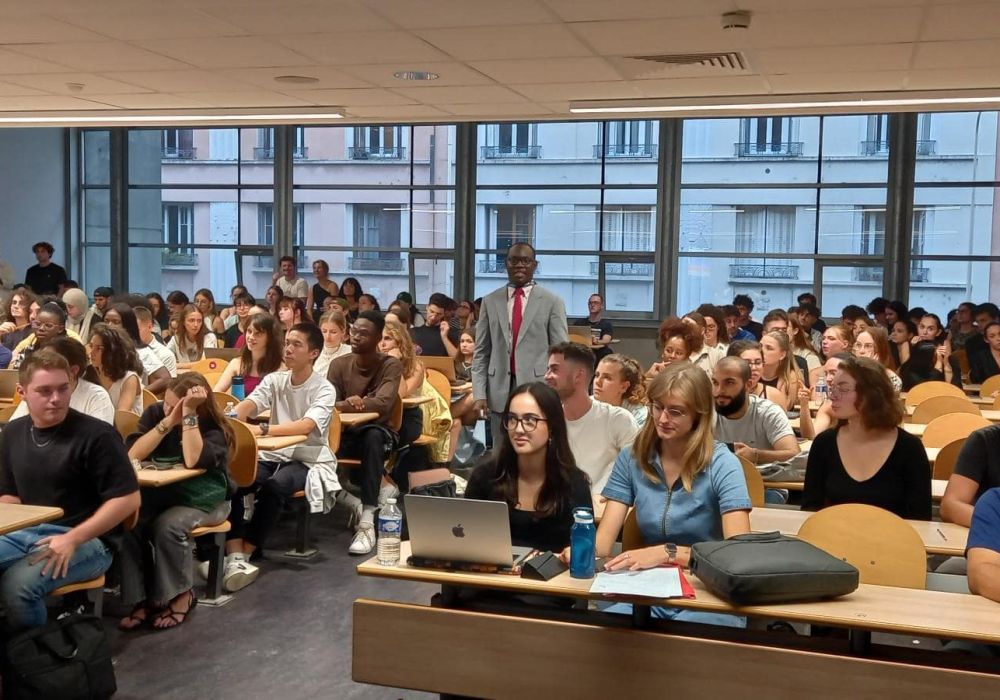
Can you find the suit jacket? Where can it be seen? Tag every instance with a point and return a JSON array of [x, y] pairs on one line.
[[543, 324]]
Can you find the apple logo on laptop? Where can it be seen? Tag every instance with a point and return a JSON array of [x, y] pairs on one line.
[[458, 530]]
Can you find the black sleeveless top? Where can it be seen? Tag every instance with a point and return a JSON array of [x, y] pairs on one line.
[[319, 296]]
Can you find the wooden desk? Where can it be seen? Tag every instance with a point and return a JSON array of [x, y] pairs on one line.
[[154, 478], [988, 413], [349, 419], [411, 401], [17, 516], [274, 442], [938, 538], [937, 486], [915, 428]]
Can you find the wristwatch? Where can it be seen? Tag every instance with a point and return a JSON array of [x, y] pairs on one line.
[[190, 421], [671, 549]]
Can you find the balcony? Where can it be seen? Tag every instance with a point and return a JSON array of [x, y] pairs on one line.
[[764, 272], [170, 258], [782, 149], [927, 147], [377, 152], [625, 150], [518, 152], [376, 264], [876, 274], [624, 269], [177, 153], [492, 264], [267, 152]]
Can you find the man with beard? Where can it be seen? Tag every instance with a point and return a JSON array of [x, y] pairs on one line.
[[756, 428]]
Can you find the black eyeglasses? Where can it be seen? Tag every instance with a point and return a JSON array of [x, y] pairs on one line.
[[528, 423], [519, 261]]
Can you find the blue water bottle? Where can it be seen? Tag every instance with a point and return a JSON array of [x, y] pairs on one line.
[[236, 389], [582, 538]]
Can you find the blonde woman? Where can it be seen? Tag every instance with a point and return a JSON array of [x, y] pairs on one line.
[[333, 325], [779, 370], [192, 337], [836, 339], [685, 487], [618, 381], [873, 342]]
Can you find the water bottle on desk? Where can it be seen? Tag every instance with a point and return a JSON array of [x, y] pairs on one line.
[[822, 390], [230, 410], [390, 530], [582, 538], [237, 389]]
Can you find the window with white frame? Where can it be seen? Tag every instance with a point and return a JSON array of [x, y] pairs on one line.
[[178, 143], [178, 228], [768, 136], [265, 233], [628, 139], [378, 143], [509, 224], [264, 150], [515, 140], [627, 228], [376, 226], [764, 229]]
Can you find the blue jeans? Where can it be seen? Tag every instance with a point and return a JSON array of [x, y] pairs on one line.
[[22, 587], [659, 612]]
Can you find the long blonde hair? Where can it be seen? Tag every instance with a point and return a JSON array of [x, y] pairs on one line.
[[404, 343], [788, 371], [690, 384]]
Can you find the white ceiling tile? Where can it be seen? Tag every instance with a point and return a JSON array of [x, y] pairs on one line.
[[18, 90], [284, 18], [260, 98], [450, 73], [933, 55], [179, 80], [836, 81], [596, 10], [681, 35], [762, 6], [511, 42], [491, 110], [139, 24], [978, 21], [952, 79], [834, 28], [99, 56], [328, 77], [728, 85], [822, 59], [362, 47], [46, 103], [460, 95], [579, 91], [225, 52], [39, 30], [15, 64], [399, 114], [585, 69], [58, 84], [425, 14], [344, 98], [149, 100]]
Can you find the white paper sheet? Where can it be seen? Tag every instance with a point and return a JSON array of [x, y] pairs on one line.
[[654, 583]]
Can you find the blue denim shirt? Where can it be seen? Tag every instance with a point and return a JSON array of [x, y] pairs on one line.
[[679, 516]]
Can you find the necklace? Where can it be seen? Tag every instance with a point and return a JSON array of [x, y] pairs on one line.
[[42, 444]]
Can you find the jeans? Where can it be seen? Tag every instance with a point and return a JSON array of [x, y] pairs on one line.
[[659, 612], [275, 484], [368, 444], [23, 589]]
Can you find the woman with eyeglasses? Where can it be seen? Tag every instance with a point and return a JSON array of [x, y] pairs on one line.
[[17, 318], [873, 342], [684, 485], [532, 469], [867, 458], [48, 322], [750, 351], [677, 342]]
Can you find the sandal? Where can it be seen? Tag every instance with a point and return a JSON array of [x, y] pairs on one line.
[[175, 617], [134, 620]]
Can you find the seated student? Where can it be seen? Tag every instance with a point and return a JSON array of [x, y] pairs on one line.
[[79, 315], [291, 312], [154, 374], [901, 335], [715, 328], [242, 310], [983, 548], [929, 329], [462, 407], [618, 381], [810, 426], [873, 342], [260, 356], [920, 367], [144, 319], [176, 301], [301, 403], [677, 342], [702, 354], [368, 381], [88, 397], [49, 322], [57, 456], [532, 469], [186, 428], [757, 428], [779, 369], [228, 314], [977, 470], [867, 458], [333, 325], [749, 350], [985, 314], [985, 363], [600, 327], [113, 356], [597, 431], [17, 318], [436, 337], [204, 301], [188, 344], [685, 486]]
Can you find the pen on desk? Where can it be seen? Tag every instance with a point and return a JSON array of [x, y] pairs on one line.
[[942, 535]]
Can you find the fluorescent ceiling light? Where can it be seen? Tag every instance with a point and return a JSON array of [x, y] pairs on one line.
[[838, 102], [185, 116]]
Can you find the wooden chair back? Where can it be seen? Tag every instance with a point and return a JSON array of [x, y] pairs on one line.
[[6, 413], [631, 535], [922, 392], [212, 378], [243, 465], [126, 423], [942, 430], [755, 483], [883, 547], [440, 383], [8, 383], [996, 403], [396, 415], [990, 386], [208, 365], [336, 429], [444, 365], [937, 406], [944, 464], [222, 398], [148, 399]]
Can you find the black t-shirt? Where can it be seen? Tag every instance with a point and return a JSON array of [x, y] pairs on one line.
[[979, 459], [604, 326], [45, 280], [526, 530], [214, 450], [77, 465], [427, 340]]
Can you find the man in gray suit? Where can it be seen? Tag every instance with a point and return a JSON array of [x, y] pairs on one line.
[[517, 325]]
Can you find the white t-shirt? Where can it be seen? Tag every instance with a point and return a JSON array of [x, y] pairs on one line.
[[598, 437], [88, 398], [115, 392], [322, 363], [297, 287], [763, 424], [190, 353], [165, 356], [314, 398]]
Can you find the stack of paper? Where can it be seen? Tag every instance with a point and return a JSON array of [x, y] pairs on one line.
[[653, 583]]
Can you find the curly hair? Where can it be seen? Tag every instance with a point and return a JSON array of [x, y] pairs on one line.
[[632, 373], [673, 327], [119, 356]]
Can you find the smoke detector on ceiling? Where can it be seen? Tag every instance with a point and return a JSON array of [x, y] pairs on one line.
[[736, 20]]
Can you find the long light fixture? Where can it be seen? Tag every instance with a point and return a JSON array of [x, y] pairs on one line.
[[194, 117], [940, 100]]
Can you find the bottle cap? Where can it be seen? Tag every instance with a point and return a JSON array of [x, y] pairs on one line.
[[391, 501]]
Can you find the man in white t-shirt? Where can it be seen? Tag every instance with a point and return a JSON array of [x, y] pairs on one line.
[[301, 403], [291, 286], [144, 319], [597, 431], [757, 429]]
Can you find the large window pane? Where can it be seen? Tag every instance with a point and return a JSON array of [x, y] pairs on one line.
[[571, 277], [955, 221], [957, 147], [96, 267], [193, 157], [844, 284], [851, 221], [525, 153], [382, 277], [855, 148], [96, 149], [430, 276], [772, 284], [748, 221], [941, 285]]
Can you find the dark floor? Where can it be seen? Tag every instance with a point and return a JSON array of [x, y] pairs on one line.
[[287, 636]]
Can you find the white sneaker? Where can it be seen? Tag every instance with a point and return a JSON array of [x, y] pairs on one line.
[[364, 539], [385, 493], [201, 570], [239, 573]]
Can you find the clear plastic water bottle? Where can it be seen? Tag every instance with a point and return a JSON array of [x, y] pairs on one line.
[[822, 390], [230, 410], [390, 530], [582, 537], [237, 389]]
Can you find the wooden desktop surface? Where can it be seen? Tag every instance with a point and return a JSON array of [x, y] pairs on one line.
[[411, 401], [274, 442], [153, 478], [349, 419], [17, 516]]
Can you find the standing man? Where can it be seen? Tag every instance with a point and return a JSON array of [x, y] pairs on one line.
[[601, 330], [517, 325], [291, 285], [46, 276]]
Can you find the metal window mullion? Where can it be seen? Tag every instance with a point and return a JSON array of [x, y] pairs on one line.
[[118, 194], [465, 209], [284, 216], [899, 205], [668, 199]]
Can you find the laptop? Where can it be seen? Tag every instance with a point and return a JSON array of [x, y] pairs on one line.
[[461, 530], [222, 353]]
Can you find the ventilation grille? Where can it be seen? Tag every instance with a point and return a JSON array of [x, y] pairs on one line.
[[726, 60], [683, 65]]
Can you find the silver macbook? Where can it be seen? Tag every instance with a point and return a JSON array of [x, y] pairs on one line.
[[461, 530]]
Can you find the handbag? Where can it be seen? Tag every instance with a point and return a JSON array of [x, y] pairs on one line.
[[768, 567], [67, 659]]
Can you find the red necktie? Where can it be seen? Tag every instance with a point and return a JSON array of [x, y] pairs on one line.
[[515, 326]]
